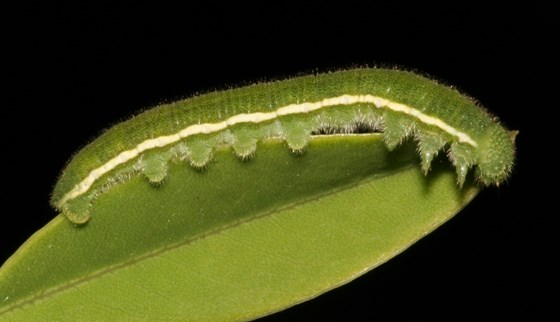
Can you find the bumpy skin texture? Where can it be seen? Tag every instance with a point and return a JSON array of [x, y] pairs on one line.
[[492, 154]]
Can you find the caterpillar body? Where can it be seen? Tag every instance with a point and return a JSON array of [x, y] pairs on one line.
[[397, 103]]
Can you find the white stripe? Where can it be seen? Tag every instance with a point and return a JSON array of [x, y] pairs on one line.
[[259, 117]]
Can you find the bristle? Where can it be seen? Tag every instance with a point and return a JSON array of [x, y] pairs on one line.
[[429, 145]]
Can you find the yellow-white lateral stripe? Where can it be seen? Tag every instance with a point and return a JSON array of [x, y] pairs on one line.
[[259, 117]]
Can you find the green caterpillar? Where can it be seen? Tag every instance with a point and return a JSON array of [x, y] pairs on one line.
[[397, 103]]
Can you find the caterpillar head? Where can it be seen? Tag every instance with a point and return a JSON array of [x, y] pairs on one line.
[[496, 155]]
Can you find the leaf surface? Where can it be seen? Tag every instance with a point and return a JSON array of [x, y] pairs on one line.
[[235, 241]]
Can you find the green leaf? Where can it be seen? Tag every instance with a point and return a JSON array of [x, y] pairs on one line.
[[234, 241]]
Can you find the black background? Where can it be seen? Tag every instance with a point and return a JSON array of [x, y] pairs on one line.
[[76, 69]]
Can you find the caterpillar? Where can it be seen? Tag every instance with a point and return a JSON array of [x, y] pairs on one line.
[[398, 104]]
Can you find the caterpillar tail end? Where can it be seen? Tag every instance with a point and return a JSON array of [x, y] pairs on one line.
[[77, 210], [75, 218]]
